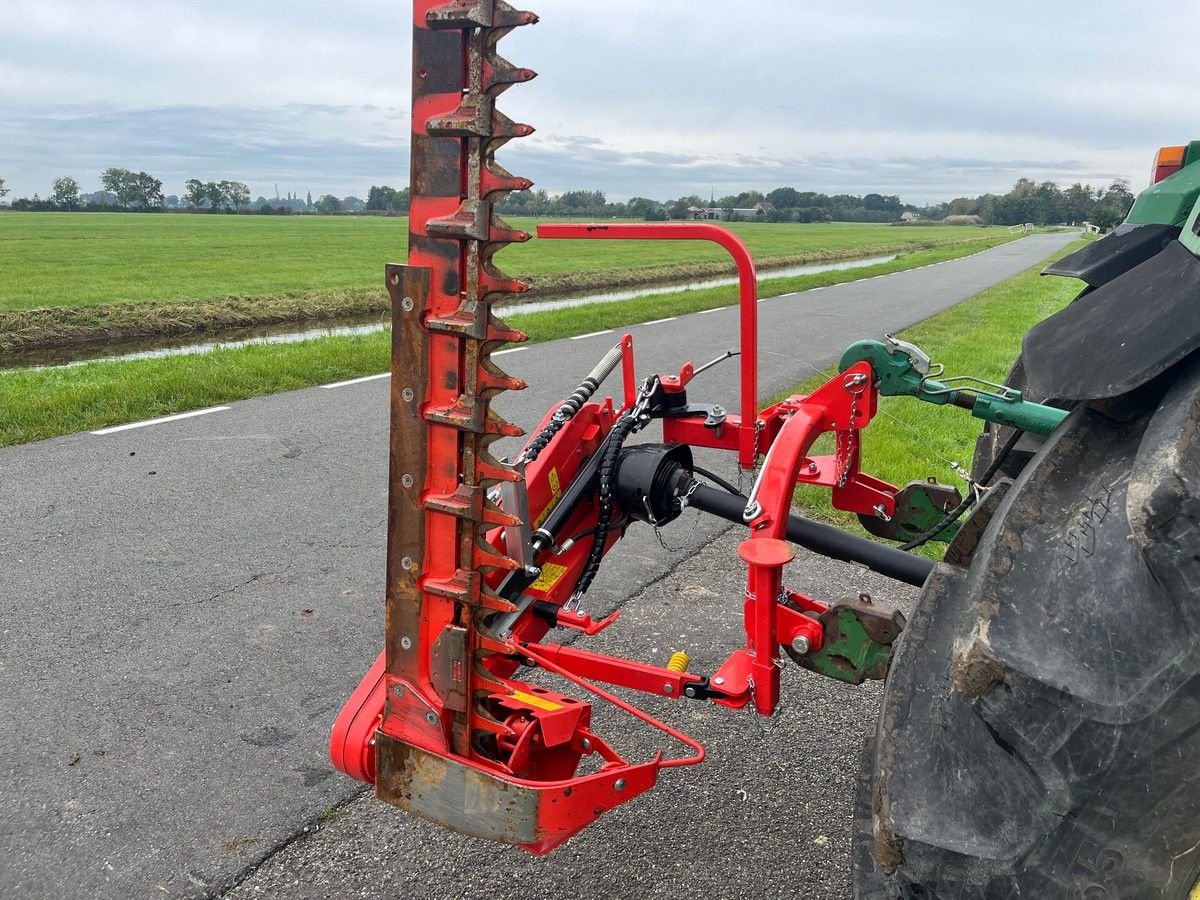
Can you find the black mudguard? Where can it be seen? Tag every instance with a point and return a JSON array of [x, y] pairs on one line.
[[1101, 261], [1120, 335]]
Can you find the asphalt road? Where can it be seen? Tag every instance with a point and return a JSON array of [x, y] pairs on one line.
[[187, 604]]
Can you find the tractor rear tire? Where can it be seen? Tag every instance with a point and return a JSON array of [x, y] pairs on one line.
[[1040, 729]]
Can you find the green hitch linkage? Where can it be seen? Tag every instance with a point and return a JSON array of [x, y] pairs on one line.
[[903, 369]]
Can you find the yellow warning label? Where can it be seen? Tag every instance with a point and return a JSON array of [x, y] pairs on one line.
[[551, 573], [535, 701], [555, 496]]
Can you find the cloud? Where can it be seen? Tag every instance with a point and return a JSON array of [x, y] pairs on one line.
[[921, 98]]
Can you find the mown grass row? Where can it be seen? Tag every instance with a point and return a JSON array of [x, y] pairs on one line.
[[44, 403]]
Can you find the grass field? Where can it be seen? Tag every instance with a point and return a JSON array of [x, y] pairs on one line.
[[90, 259], [43, 403]]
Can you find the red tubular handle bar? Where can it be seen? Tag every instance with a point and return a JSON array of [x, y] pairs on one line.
[[747, 290]]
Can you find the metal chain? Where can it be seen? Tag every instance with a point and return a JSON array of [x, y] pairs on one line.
[[854, 385], [683, 502]]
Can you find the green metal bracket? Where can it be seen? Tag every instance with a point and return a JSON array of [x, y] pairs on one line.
[[858, 641], [904, 370]]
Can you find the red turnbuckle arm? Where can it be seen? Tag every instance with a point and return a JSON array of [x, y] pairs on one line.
[[740, 428]]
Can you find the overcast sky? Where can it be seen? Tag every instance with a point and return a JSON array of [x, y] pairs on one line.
[[658, 98]]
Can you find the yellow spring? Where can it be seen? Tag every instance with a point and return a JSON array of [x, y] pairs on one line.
[[679, 662]]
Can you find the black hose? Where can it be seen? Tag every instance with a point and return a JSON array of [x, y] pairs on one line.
[[822, 539], [608, 471], [718, 480], [955, 514]]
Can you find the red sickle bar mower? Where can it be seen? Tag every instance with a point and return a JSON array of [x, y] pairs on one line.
[[488, 560]]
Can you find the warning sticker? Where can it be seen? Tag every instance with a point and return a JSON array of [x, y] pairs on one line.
[[555, 496], [538, 702], [551, 573]]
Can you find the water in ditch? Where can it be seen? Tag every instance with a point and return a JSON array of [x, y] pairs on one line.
[[186, 345]]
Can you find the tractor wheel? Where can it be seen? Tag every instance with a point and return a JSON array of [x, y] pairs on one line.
[[1040, 729]]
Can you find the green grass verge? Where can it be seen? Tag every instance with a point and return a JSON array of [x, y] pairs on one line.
[[42, 403], [911, 440]]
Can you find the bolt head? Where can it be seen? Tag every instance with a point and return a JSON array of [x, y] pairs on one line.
[[431, 717], [718, 680], [800, 644], [407, 481], [585, 744], [619, 784], [407, 304], [408, 394], [406, 563], [406, 642], [668, 688], [689, 692]]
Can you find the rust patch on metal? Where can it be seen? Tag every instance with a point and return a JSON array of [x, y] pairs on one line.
[[463, 799]]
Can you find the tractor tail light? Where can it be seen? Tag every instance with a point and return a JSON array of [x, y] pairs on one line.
[[1168, 161]]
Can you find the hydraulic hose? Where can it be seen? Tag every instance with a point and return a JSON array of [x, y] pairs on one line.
[[572, 404]]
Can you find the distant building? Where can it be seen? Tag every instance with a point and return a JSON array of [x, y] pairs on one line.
[[910, 217], [718, 214]]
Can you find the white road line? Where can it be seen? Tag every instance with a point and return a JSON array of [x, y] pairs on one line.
[[660, 321], [580, 337], [714, 309], [338, 384], [159, 421], [510, 350]]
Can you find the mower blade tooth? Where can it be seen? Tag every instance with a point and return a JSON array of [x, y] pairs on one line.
[[463, 14], [499, 74], [496, 183]]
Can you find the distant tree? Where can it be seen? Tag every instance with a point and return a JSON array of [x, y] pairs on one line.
[[122, 183], [217, 197], [353, 204], [1120, 196], [195, 192], [328, 204], [729, 214], [1023, 188], [379, 197], [1106, 216], [784, 198], [99, 200], [236, 193], [66, 193], [642, 208], [308, 203], [266, 210], [149, 191], [962, 206], [4, 192]]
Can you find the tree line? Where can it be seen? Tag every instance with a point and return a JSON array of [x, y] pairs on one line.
[[123, 190], [1042, 203]]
